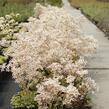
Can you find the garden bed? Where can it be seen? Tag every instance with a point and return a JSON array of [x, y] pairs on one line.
[[49, 68], [56, 61]]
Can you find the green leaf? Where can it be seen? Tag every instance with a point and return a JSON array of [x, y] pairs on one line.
[[2, 59]]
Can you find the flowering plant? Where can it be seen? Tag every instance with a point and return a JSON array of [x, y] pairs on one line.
[[49, 59], [8, 26]]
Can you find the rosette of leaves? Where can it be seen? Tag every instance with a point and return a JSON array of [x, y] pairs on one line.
[[24, 99]]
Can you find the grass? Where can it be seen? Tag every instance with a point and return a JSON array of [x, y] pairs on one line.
[[55, 2], [26, 10], [97, 11], [23, 7], [51, 2]]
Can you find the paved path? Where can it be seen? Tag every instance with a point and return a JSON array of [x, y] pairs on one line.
[[98, 64]]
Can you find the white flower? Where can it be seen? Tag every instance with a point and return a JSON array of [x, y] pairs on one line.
[[56, 68], [70, 79], [71, 94], [90, 84], [82, 72]]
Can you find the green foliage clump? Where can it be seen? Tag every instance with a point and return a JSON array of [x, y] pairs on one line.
[[2, 59], [20, 1], [55, 2], [24, 99]]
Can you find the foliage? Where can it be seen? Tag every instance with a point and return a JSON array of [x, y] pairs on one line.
[[23, 99], [25, 10], [8, 27], [20, 1], [55, 2], [2, 59], [51, 2], [23, 7]]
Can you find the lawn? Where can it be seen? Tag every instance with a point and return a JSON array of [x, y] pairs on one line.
[[96, 10]]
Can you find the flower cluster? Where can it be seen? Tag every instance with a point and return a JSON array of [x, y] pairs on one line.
[[49, 58], [8, 26]]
